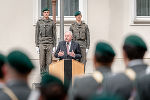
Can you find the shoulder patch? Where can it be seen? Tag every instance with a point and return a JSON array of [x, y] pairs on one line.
[[98, 76], [131, 74]]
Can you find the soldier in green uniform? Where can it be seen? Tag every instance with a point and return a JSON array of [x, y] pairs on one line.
[[125, 84], [85, 86], [45, 39], [17, 67], [81, 35]]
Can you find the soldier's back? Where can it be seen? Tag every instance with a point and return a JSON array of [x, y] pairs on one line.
[[19, 89]]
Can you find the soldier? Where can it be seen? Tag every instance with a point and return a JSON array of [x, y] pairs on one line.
[[16, 72], [134, 49], [81, 35], [45, 39], [84, 87], [52, 88]]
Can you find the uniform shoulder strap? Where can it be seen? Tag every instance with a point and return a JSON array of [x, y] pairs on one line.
[[10, 93], [130, 74], [148, 70], [98, 76]]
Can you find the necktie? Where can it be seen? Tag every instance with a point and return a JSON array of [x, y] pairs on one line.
[[68, 48]]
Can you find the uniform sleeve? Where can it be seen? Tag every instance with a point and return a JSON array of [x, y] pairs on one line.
[[37, 34], [87, 38], [54, 35], [78, 52], [57, 51], [71, 29], [72, 90]]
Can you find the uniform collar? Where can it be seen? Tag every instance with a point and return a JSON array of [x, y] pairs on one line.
[[78, 23], [13, 82], [135, 62], [104, 69], [46, 19]]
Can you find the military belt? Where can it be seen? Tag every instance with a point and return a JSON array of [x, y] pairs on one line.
[[80, 40]]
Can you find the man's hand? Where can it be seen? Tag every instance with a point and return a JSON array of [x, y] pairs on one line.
[[72, 54], [37, 50], [61, 53]]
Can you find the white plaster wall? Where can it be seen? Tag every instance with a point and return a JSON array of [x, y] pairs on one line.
[[16, 29], [120, 26]]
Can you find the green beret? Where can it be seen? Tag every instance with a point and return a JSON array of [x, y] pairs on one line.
[[2, 60], [50, 79], [136, 41], [20, 62], [45, 9], [104, 49], [77, 13]]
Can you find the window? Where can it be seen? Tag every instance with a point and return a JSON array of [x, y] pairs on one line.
[[143, 8], [48, 4], [70, 7], [141, 12]]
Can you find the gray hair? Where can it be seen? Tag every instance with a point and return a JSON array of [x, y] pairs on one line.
[[68, 32]]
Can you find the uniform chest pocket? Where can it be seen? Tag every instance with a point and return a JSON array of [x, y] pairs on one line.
[[82, 33], [49, 27], [42, 26]]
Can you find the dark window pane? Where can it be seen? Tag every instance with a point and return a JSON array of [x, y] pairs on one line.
[[143, 7], [70, 7], [48, 4]]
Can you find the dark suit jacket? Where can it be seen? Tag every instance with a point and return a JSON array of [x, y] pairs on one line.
[[74, 46]]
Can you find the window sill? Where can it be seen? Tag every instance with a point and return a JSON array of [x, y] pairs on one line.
[[141, 21], [68, 20]]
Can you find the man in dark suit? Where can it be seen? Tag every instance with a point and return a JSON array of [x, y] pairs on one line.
[[68, 49], [84, 87], [134, 49]]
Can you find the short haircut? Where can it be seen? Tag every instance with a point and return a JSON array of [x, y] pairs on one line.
[[133, 52], [104, 59], [2, 62], [1, 73], [53, 91]]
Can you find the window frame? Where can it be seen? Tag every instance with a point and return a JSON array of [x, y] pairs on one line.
[[67, 19], [138, 20]]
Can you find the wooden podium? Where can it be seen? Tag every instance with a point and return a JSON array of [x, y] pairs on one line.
[[66, 69]]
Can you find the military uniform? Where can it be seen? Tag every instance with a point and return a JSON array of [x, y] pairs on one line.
[[16, 87], [82, 36], [20, 89], [86, 86], [45, 39], [125, 84], [143, 87]]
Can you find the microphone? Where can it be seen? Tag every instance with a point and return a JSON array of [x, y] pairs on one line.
[[67, 43]]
